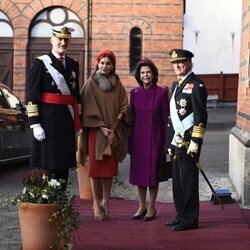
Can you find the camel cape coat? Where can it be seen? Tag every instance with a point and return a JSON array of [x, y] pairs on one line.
[[101, 109]]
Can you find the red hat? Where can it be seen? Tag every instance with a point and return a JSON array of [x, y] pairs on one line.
[[106, 53]]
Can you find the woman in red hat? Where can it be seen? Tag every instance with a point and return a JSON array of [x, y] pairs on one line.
[[106, 121]]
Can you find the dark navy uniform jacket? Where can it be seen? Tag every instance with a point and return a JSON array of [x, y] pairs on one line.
[[190, 96], [57, 151]]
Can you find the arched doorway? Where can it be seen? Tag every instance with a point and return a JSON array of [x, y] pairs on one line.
[[6, 50], [40, 32]]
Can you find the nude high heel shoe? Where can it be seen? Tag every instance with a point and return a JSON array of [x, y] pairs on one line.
[[107, 215], [98, 214]]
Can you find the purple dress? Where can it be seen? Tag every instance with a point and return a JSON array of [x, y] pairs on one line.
[[150, 108]]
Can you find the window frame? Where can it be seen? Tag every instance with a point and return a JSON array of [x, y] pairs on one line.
[[135, 48]]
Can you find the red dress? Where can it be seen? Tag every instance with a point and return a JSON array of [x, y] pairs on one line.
[[108, 167]]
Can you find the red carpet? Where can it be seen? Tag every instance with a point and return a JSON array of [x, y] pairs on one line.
[[218, 229]]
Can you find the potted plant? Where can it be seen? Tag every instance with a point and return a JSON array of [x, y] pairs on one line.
[[48, 214], [84, 185]]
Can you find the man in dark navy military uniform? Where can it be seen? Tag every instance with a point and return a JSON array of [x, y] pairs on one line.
[[188, 119], [52, 97]]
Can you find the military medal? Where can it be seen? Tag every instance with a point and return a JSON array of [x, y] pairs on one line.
[[188, 88], [183, 103], [73, 73]]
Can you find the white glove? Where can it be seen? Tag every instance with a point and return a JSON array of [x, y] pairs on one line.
[[193, 148], [178, 141], [38, 132], [169, 151], [79, 131]]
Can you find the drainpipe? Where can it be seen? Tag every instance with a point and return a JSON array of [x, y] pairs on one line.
[[88, 54]]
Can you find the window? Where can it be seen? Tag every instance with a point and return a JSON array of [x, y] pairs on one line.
[[135, 48], [6, 50], [5, 26], [3, 103], [40, 26]]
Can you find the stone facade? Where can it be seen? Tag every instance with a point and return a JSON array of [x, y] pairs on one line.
[[239, 143], [107, 25]]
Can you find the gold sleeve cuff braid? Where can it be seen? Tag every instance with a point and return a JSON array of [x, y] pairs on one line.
[[198, 131], [32, 109]]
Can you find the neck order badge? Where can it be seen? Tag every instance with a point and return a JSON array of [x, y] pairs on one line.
[[61, 59], [180, 82]]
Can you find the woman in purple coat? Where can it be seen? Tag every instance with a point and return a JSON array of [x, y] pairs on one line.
[[150, 106]]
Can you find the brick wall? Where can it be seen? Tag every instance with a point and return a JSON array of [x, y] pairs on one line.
[[21, 14], [160, 21], [239, 139], [161, 24], [243, 106]]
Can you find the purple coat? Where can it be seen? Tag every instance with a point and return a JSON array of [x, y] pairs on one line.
[[150, 108]]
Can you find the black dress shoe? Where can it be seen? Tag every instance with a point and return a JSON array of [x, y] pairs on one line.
[[184, 227], [172, 222], [139, 216], [148, 218]]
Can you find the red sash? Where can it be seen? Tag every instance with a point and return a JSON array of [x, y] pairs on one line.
[[63, 100]]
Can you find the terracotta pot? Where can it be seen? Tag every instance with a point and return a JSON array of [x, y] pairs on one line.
[[85, 191], [37, 230]]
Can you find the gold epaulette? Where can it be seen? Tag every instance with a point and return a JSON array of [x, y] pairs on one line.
[[198, 131], [32, 109]]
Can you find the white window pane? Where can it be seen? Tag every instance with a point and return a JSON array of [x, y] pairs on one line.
[[5, 30], [41, 30]]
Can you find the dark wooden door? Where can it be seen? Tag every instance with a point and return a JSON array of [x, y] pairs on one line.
[[6, 61]]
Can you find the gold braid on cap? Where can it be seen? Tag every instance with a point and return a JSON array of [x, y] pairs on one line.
[[198, 131], [178, 59], [63, 33], [32, 109], [174, 55]]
